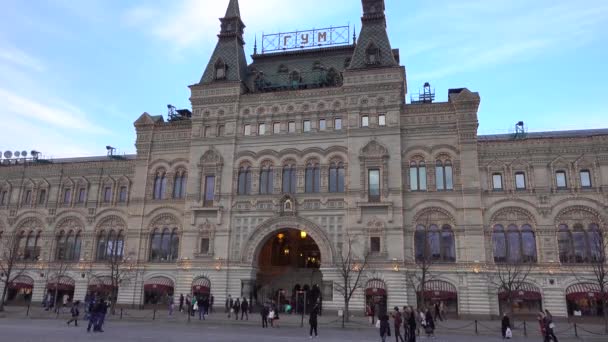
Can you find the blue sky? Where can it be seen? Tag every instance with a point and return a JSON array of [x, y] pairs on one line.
[[75, 75]]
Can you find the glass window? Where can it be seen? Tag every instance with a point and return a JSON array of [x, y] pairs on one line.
[[209, 191], [289, 179], [596, 243], [564, 242], [585, 179], [420, 243], [374, 243], [82, 195], [67, 196], [247, 130], [336, 177], [497, 181], [322, 124], [306, 127], [220, 130], [41, 197], [313, 178], [439, 176], [448, 246], [560, 179], [205, 246], [382, 120], [520, 181], [413, 176], [337, 123], [244, 186], [261, 129], [364, 121], [422, 176], [513, 244], [434, 240], [374, 185], [122, 195], [107, 194], [499, 243], [579, 239], [291, 127], [266, 181], [276, 128], [528, 244], [28, 197]]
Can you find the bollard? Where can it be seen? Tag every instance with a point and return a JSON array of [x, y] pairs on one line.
[[121, 314], [525, 330], [476, 331], [575, 330], [154, 315]]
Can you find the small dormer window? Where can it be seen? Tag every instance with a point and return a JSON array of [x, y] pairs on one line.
[[373, 54], [220, 70], [295, 79], [283, 69]]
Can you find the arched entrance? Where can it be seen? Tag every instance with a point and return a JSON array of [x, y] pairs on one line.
[[158, 290], [101, 287], [375, 298], [437, 292], [62, 289], [526, 301], [584, 300], [288, 270], [20, 290]]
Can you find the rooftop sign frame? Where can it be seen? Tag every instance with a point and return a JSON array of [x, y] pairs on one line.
[[307, 39]]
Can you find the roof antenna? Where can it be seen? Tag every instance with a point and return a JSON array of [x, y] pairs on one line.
[[355, 34], [255, 45]]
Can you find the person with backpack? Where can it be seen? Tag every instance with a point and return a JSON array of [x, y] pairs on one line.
[[75, 313], [385, 327]]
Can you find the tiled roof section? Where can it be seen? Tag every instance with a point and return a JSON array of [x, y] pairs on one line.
[[545, 135], [373, 34], [125, 157], [229, 49], [277, 67]]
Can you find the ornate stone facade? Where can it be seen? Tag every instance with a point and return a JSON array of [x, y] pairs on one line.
[[236, 134]]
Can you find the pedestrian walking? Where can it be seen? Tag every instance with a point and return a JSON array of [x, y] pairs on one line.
[[276, 318], [411, 324], [542, 324], [505, 324], [229, 305], [75, 313], [245, 309], [313, 321], [264, 313], [194, 306], [171, 305], [237, 308], [429, 328], [271, 314], [103, 311], [385, 328], [181, 302], [92, 315], [550, 327], [443, 311], [437, 312], [397, 318]]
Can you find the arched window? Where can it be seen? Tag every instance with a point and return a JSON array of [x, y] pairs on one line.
[[443, 175], [417, 176], [164, 245], [372, 54], [435, 244], [499, 242], [289, 179], [336, 177], [29, 244], [577, 245], [220, 70], [244, 186], [160, 185], [515, 244], [313, 177], [110, 245], [179, 185], [60, 250], [266, 180]]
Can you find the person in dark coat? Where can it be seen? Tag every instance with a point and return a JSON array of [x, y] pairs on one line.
[[430, 324], [411, 322], [312, 320], [264, 313], [181, 302], [549, 327], [397, 318], [245, 309], [93, 315], [75, 311], [506, 323], [237, 307], [385, 328]]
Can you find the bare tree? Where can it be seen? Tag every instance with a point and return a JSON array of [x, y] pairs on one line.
[[11, 264], [351, 269], [420, 268], [597, 272], [509, 278], [58, 270], [120, 270]]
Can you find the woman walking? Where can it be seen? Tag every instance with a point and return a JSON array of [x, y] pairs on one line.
[[75, 313], [430, 324], [312, 320], [506, 324], [237, 307], [385, 328], [549, 328]]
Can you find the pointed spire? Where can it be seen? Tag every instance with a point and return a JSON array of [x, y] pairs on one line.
[[255, 45], [228, 62], [233, 10], [373, 48]]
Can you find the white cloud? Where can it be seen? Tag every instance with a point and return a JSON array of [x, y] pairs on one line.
[[58, 114], [20, 58]]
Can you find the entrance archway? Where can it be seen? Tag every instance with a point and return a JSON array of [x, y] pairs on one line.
[[20, 290], [288, 270], [62, 289]]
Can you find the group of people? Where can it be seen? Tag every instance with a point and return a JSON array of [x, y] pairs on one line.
[[547, 327], [270, 313], [410, 319], [96, 309], [235, 306], [58, 304], [202, 305]]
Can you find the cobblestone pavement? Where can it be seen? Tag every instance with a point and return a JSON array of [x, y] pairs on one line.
[[27, 330]]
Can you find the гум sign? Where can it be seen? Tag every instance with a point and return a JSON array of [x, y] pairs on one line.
[[306, 39]]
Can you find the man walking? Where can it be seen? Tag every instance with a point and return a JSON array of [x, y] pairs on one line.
[[181, 302], [93, 306], [397, 324], [264, 313], [245, 309], [75, 313], [229, 304], [312, 320], [237, 307]]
